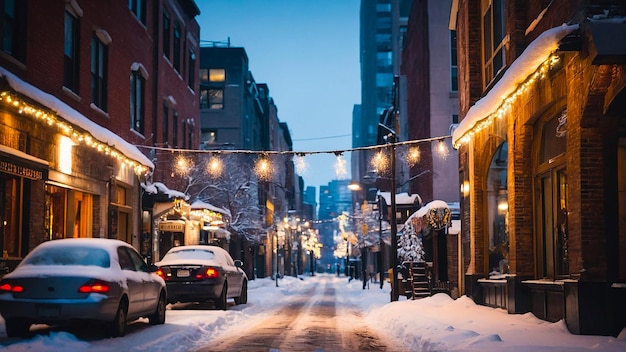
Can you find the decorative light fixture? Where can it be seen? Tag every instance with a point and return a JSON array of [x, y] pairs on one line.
[[214, 167], [340, 166], [413, 156], [380, 162], [442, 149], [263, 168]]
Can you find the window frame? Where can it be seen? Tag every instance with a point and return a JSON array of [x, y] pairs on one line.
[[137, 101], [99, 72], [493, 27], [138, 8], [191, 74], [167, 33], [177, 46], [215, 103], [71, 57], [13, 24]]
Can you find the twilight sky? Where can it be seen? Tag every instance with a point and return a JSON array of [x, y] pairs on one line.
[[308, 54]]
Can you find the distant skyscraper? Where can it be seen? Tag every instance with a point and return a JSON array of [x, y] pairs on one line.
[[383, 27]]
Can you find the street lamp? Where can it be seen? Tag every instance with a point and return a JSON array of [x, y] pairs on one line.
[[391, 142]]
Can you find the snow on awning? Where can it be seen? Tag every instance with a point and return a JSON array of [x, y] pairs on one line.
[[198, 205], [401, 198], [524, 66], [74, 118], [159, 187], [431, 205]]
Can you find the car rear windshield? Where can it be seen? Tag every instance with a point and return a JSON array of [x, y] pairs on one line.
[[190, 254], [87, 256]]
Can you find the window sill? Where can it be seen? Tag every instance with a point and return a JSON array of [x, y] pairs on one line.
[[99, 111]]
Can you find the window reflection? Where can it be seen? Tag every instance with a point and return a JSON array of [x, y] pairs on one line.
[[498, 211]]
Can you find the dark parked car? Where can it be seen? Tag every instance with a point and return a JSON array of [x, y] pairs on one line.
[[78, 279], [203, 273]]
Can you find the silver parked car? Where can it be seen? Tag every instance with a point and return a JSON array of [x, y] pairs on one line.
[[198, 273], [81, 279]]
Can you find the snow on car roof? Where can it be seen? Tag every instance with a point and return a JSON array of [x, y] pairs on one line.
[[107, 243]]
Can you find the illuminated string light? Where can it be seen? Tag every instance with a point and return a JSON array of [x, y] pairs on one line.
[[214, 167], [78, 137], [263, 169], [508, 102], [442, 149], [183, 165], [413, 156], [301, 165], [341, 169], [380, 161]]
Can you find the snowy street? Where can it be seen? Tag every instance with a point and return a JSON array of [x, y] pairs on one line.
[[326, 313], [310, 321]]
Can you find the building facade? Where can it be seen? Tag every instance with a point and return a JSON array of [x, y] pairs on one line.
[[541, 153], [382, 31], [239, 114], [77, 98]]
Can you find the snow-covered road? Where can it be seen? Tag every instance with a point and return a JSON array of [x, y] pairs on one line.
[[312, 320], [316, 312]]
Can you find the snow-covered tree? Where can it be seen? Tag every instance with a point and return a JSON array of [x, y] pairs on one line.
[[410, 244], [231, 185]]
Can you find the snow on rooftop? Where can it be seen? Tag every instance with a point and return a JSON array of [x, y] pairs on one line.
[[156, 187], [75, 118], [401, 198], [534, 55]]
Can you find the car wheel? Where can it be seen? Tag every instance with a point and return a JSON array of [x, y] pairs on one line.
[[117, 328], [221, 302], [243, 297], [17, 328], [159, 315]]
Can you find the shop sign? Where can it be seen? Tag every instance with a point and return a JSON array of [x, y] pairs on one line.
[[172, 226], [19, 170]]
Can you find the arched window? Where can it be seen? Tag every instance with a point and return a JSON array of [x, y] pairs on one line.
[[498, 211]]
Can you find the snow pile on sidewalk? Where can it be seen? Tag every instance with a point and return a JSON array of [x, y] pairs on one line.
[[437, 323]]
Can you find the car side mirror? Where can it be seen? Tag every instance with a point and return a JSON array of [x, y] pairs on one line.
[[153, 268], [238, 263]]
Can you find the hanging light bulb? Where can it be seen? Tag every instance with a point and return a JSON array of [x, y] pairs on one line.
[[380, 162], [263, 168], [340, 167], [442, 149], [301, 166], [182, 165], [214, 167], [413, 156]]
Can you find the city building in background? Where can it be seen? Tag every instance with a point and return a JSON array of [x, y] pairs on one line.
[[238, 113], [382, 32]]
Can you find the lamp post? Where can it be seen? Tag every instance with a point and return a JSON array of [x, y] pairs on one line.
[[391, 137]]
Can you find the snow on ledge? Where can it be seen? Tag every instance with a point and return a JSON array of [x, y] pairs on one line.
[[75, 118], [534, 55]]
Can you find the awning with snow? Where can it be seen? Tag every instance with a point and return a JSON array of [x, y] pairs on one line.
[[75, 119], [532, 58], [198, 205]]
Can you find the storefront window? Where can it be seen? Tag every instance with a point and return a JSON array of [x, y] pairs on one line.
[[498, 211], [55, 211], [69, 213], [9, 215]]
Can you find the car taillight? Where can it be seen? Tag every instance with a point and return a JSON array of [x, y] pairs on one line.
[[6, 287], [94, 286], [209, 273], [161, 273]]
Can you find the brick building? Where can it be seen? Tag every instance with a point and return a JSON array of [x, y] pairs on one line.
[[83, 83], [542, 153]]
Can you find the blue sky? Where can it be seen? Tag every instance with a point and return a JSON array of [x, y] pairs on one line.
[[308, 54]]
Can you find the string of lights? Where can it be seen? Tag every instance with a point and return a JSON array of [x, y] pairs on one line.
[[337, 152]]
